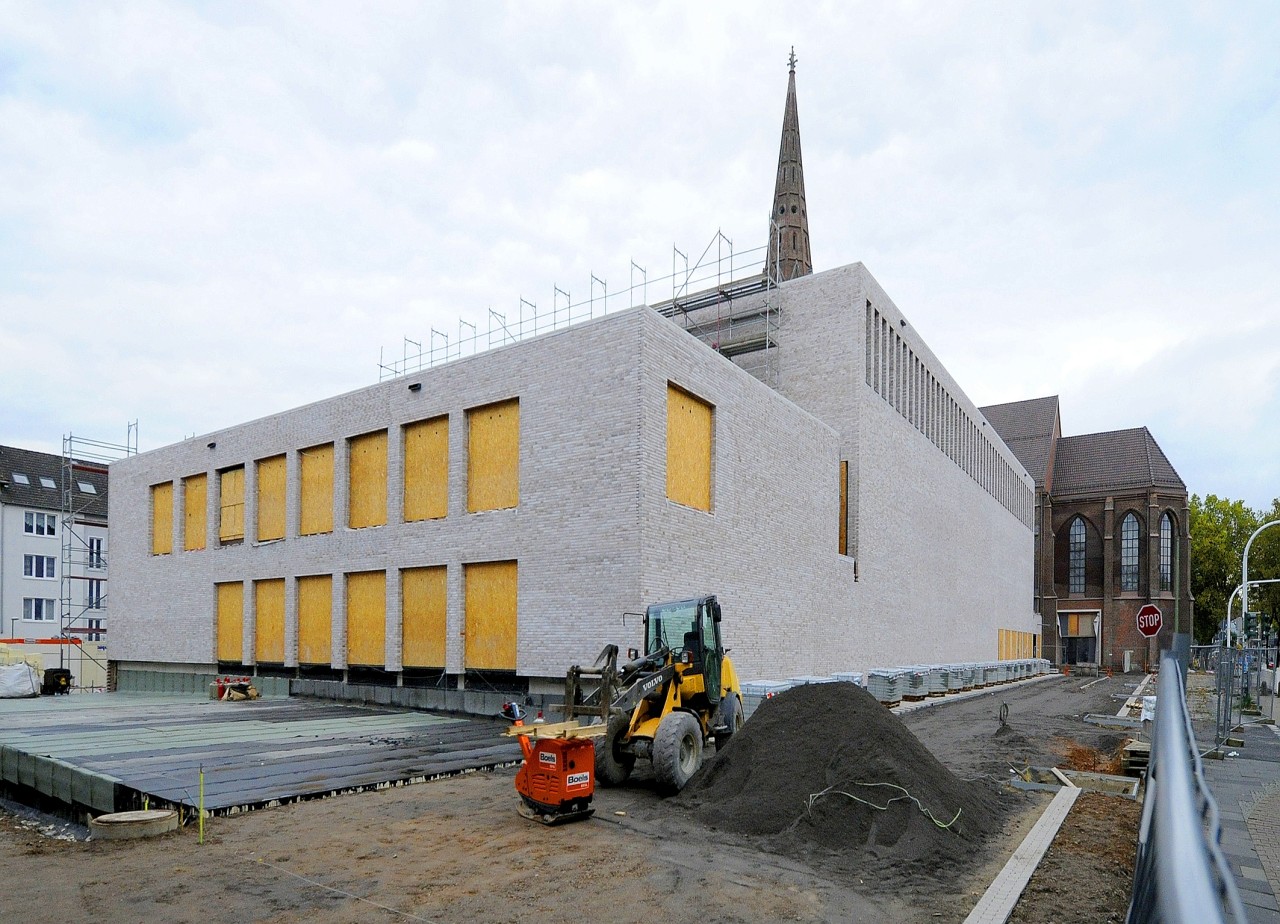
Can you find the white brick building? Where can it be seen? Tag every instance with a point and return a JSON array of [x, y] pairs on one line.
[[609, 465]]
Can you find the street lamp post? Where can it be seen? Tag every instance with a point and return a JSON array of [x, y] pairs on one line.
[[1244, 566]]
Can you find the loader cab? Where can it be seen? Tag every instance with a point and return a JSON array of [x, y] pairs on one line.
[[690, 629]]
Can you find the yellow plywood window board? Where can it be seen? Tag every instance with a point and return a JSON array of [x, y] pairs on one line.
[[366, 617], [195, 499], [844, 508], [271, 489], [231, 513], [688, 449], [268, 603], [424, 596], [367, 478], [315, 619], [426, 469], [230, 603], [493, 456], [162, 518], [490, 615], [316, 509]]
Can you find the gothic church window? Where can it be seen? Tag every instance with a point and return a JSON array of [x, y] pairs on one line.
[[1075, 552], [1129, 553], [1166, 552]]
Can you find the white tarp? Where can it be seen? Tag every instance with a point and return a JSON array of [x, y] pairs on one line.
[[18, 680]]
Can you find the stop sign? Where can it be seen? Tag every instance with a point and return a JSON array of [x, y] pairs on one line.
[[1149, 620]]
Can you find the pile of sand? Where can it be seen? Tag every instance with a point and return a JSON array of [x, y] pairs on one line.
[[835, 738]]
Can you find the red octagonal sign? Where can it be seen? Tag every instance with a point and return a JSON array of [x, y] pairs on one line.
[[1149, 620]]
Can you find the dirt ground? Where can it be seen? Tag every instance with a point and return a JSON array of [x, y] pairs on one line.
[[455, 849]]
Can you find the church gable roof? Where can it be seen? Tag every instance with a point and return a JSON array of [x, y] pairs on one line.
[[1028, 428], [1119, 460]]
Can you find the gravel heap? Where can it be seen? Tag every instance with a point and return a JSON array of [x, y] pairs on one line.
[[835, 736]]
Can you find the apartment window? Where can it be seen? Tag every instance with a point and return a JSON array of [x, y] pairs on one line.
[[19, 478], [1075, 561], [36, 609], [40, 524], [97, 560], [1129, 553], [87, 488], [95, 630], [94, 601], [47, 482], [38, 566], [1166, 552]]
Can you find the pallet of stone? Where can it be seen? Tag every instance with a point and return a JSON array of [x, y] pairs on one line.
[[1134, 758], [885, 685], [915, 682], [854, 677], [937, 681]]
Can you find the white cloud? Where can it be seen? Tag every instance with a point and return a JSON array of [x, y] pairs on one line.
[[212, 213]]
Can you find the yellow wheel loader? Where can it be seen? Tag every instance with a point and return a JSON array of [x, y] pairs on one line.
[[664, 704]]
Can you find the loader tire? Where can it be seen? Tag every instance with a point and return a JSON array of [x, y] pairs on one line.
[[731, 716], [613, 765], [677, 752]]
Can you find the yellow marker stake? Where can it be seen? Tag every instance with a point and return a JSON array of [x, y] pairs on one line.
[[200, 839]]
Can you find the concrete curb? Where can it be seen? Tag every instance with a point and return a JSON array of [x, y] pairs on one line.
[[998, 902]]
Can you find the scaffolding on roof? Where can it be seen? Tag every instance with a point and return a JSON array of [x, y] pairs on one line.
[[724, 298]]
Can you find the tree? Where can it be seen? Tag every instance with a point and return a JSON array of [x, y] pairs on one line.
[[1219, 529], [1264, 564]]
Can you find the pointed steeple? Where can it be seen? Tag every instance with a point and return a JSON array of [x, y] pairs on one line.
[[789, 255]]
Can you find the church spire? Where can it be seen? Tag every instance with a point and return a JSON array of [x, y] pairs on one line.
[[789, 229]]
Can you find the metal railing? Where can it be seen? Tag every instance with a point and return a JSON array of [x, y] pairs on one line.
[[1243, 678], [1181, 873]]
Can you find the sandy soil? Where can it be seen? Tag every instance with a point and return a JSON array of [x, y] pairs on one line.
[[456, 850]]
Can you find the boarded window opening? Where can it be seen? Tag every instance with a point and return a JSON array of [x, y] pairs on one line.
[[366, 618], [493, 456], [426, 470], [490, 614], [689, 428], [271, 489], [268, 608], [844, 507], [368, 481], [162, 518], [315, 513], [315, 619], [195, 494], [230, 621], [424, 596], [231, 508]]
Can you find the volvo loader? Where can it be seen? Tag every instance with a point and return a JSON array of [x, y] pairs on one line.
[[666, 701]]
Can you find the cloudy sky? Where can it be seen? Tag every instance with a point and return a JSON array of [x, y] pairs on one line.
[[210, 212]]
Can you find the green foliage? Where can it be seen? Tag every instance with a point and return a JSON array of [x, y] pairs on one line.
[[1219, 530]]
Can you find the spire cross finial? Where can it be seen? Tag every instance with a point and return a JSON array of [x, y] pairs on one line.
[[791, 61]]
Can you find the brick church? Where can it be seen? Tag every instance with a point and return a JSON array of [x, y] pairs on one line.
[[1111, 535]]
